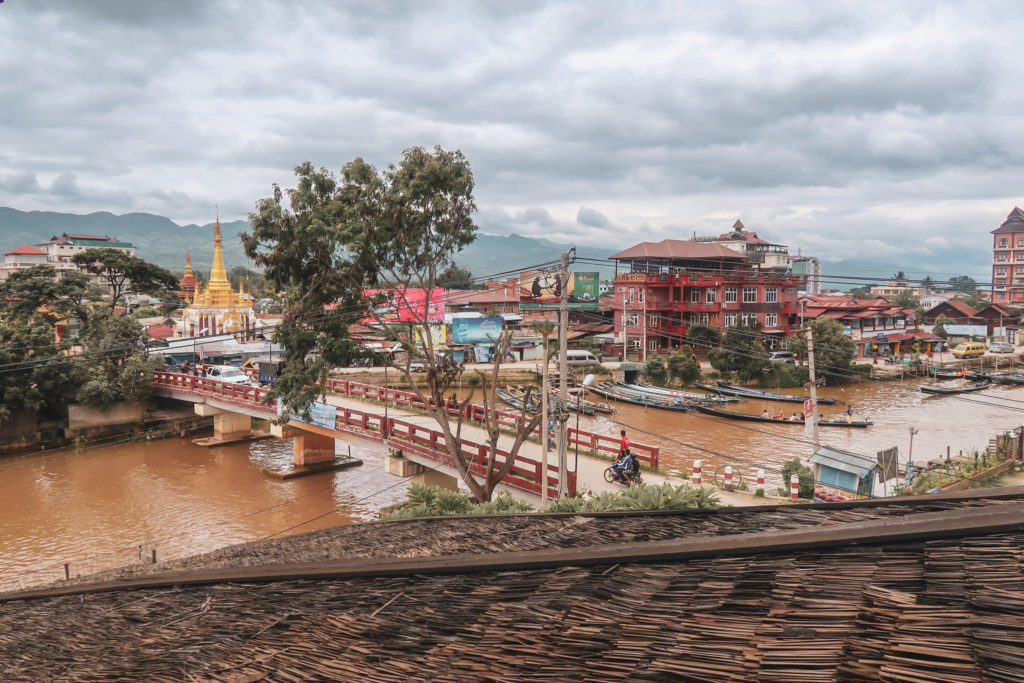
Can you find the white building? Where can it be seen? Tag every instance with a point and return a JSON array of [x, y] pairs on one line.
[[26, 257]]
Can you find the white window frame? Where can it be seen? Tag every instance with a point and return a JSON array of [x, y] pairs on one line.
[[753, 292], [771, 295], [731, 294], [709, 295], [635, 341], [652, 344], [632, 294], [730, 320], [652, 321], [631, 319], [748, 319], [640, 294], [694, 296], [771, 320]]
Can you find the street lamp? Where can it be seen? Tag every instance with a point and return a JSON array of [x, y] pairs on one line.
[[910, 451]]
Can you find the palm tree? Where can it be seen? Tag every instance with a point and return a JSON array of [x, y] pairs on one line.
[[900, 277]]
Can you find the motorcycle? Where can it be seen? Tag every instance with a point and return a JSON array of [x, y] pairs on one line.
[[614, 473]]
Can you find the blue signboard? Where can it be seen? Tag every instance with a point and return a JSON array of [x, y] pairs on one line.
[[476, 330], [320, 414]]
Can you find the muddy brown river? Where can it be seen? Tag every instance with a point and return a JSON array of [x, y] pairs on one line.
[[93, 509]]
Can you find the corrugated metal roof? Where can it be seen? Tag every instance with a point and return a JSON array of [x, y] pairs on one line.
[[843, 460]]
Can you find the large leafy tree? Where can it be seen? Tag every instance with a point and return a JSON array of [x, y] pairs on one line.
[[833, 350], [962, 283], [683, 367], [701, 336], [740, 353], [325, 241], [125, 273], [907, 299]]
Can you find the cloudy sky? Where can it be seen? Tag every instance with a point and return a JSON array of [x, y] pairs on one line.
[[847, 129]]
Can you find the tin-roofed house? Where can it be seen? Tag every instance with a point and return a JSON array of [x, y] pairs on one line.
[[841, 475]]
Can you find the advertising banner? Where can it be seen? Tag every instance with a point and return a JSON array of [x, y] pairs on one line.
[[405, 306], [544, 290], [476, 330], [967, 330], [823, 493], [320, 414]]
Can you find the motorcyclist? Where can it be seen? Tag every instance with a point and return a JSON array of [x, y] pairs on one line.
[[626, 467]]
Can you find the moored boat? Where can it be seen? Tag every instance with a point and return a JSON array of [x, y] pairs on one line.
[[609, 391], [682, 395], [732, 415], [746, 392], [957, 389]]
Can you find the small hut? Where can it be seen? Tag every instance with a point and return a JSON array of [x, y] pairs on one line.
[[841, 475]]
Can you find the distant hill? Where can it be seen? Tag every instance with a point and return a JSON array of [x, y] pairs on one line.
[[164, 242], [159, 239]]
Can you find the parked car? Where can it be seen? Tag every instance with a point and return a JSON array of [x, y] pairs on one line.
[[969, 350], [1000, 347], [227, 373], [417, 366], [781, 357]]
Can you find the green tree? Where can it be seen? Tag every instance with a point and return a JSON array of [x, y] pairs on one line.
[[806, 475], [927, 282], [940, 325], [701, 336], [863, 292], [899, 277], [125, 273], [833, 350], [962, 283], [907, 299], [683, 367], [337, 236], [740, 353], [457, 278], [655, 370]]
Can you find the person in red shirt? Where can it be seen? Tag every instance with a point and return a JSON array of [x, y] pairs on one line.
[[624, 444]]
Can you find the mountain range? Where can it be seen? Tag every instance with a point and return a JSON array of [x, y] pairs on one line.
[[164, 242]]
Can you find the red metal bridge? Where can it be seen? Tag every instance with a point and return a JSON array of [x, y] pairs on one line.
[[417, 441]]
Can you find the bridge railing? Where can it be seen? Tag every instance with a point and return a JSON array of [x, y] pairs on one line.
[[525, 473]]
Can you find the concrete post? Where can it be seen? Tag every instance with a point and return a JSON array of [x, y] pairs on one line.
[[309, 448], [696, 473]]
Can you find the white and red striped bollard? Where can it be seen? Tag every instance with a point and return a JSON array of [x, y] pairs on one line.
[[794, 487], [728, 477], [760, 481], [696, 473]]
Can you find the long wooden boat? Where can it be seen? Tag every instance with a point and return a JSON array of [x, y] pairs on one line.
[[747, 392], [962, 389], [1009, 378], [515, 401], [610, 393], [945, 373], [682, 395], [732, 415]]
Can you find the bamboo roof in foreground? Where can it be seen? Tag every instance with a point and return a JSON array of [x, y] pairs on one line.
[[915, 590]]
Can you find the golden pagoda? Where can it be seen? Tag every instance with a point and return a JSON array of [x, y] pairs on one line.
[[217, 309], [188, 282]]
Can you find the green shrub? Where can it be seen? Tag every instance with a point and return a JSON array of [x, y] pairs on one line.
[[502, 504], [783, 375], [570, 504], [806, 475], [595, 370]]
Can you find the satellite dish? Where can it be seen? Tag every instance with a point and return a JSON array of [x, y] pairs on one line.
[[588, 380]]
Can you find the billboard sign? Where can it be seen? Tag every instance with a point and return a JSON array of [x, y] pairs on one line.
[[476, 330], [410, 305], [544, 290], [967, 330]]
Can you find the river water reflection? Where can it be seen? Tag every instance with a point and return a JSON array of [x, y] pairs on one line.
[[94, 508], [965, 422]]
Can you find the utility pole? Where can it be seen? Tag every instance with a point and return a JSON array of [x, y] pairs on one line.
[[812, 429], [563, 374], [643, 342], [544, 422]]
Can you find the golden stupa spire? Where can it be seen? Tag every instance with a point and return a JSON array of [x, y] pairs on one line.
[[218, 289], [188, 265]]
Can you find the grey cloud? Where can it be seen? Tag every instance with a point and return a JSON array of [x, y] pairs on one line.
[[586, 120], [592, 218]]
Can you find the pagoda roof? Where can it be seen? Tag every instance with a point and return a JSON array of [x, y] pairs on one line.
[[1014, 222]]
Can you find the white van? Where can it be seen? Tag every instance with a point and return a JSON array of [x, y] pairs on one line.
[[579, 357]]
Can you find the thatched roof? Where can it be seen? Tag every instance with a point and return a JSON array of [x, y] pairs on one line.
[[864, 599]]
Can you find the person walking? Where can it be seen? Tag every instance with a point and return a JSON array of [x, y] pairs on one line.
[[623, 444]]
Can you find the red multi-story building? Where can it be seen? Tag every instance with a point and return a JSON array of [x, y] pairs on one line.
[[1008, 260], [662, 288]]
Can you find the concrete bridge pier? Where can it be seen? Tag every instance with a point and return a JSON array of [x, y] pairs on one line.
[[400, 466], [228, 427], [312, 452]]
